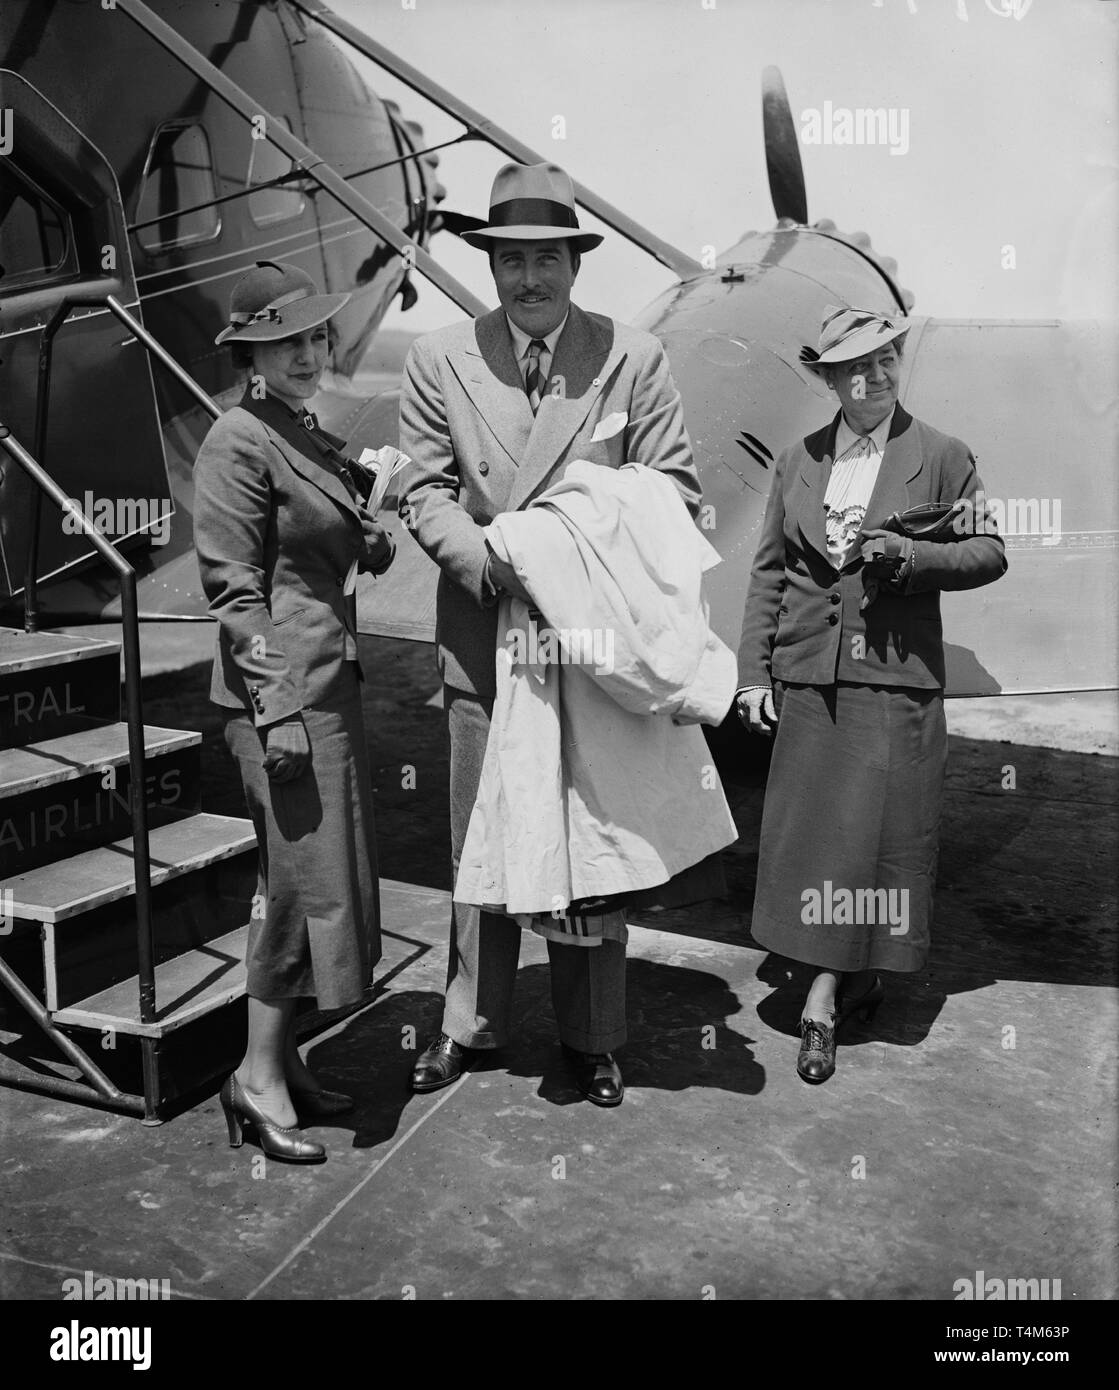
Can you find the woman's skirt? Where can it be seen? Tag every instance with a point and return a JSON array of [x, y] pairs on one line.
[[847, 859], [315, 925]]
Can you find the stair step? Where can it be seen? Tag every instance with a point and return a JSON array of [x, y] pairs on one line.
[[186, 988], [68, 887], [74, 755], [27, 651], [51, 685]]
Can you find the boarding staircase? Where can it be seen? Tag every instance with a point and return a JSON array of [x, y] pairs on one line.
[[123, 918], [68, 915]]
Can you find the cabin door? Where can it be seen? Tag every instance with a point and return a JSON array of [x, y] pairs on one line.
[[63, 235]]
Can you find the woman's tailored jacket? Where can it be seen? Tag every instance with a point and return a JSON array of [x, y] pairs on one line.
[[803, 622], [276, 534]]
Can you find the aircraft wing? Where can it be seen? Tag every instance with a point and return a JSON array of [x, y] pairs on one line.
[[1037, 403]]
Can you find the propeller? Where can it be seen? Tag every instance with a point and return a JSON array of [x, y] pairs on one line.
[[786, 181], [782, 152]]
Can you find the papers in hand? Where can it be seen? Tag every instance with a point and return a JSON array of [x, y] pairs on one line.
[[382, 465]]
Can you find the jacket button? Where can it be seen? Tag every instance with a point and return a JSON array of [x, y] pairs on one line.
[[834, 598], [833, 618], [483, 468], [338, 580]]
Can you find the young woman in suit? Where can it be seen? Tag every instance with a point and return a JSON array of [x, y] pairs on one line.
[[842, 651], [281, 532]]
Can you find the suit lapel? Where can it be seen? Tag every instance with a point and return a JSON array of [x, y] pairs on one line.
[[582, 367], [815, 473], [901, 462], [492, 379], [296, 446], [316, 474]]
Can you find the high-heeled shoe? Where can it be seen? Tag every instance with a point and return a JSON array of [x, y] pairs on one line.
[[867, 1004], [277, 1141], [320, 1104], [816, 1058]]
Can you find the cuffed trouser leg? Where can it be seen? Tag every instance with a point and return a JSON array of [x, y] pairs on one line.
[[589, 994], [588, 983], [481, 972], [485, 946]]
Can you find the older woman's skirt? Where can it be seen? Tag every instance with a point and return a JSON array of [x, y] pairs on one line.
[[847, 859], [319, 932]]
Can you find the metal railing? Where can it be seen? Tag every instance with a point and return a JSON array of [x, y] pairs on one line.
[[141, 864], [42, 410], [33, 466]]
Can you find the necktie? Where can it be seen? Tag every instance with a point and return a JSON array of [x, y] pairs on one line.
[[859, 450], [534, 379]]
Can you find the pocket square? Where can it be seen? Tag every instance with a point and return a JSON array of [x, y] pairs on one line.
[[609, 426]]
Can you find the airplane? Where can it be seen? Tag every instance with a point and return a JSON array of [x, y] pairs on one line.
[[161, 164]]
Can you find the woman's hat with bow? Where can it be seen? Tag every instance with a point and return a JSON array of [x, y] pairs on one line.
[[275, 300], [847, 333]]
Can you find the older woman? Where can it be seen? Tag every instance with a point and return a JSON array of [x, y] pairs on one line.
[[281, 533], [842, 652]]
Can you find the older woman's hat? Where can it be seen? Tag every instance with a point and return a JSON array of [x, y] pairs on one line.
[[847, 333], [532, 202], [274, 300]]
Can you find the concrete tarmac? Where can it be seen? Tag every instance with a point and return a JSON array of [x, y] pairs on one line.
[[970, 1128]]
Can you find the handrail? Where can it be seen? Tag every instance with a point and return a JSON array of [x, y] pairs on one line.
[[679, 262], [141, 858], [156, 349], [302, 156], [42, 404]]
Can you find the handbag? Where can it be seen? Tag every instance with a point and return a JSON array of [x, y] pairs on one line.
[[932, 521]]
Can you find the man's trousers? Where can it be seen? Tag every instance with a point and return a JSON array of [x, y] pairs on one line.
[[588, 982]]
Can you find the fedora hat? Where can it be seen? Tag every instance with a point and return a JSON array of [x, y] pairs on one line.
[[847, 333], [532, 202], [275, 300]]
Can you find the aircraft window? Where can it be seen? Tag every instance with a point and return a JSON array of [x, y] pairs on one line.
[[269, 205], [34, 232], [178, 177]]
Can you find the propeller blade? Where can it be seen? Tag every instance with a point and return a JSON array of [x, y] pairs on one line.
[[782, 152]]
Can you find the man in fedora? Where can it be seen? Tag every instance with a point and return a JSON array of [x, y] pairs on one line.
[[492, 412]]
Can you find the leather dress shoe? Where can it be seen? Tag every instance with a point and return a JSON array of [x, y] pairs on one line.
[[320, 1105], [816, 1059], [277, 1141], [597, 1075], [443, 1062]]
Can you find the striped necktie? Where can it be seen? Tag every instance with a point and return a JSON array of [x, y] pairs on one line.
[[534, 379]]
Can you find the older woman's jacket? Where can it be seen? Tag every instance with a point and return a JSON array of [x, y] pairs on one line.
[[276, 534], [803, 623]]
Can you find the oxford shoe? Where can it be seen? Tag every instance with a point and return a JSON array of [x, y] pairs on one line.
[[443, 1062], [597, 1075]]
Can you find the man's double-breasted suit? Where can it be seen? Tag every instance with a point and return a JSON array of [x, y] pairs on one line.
[[478, 451]]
